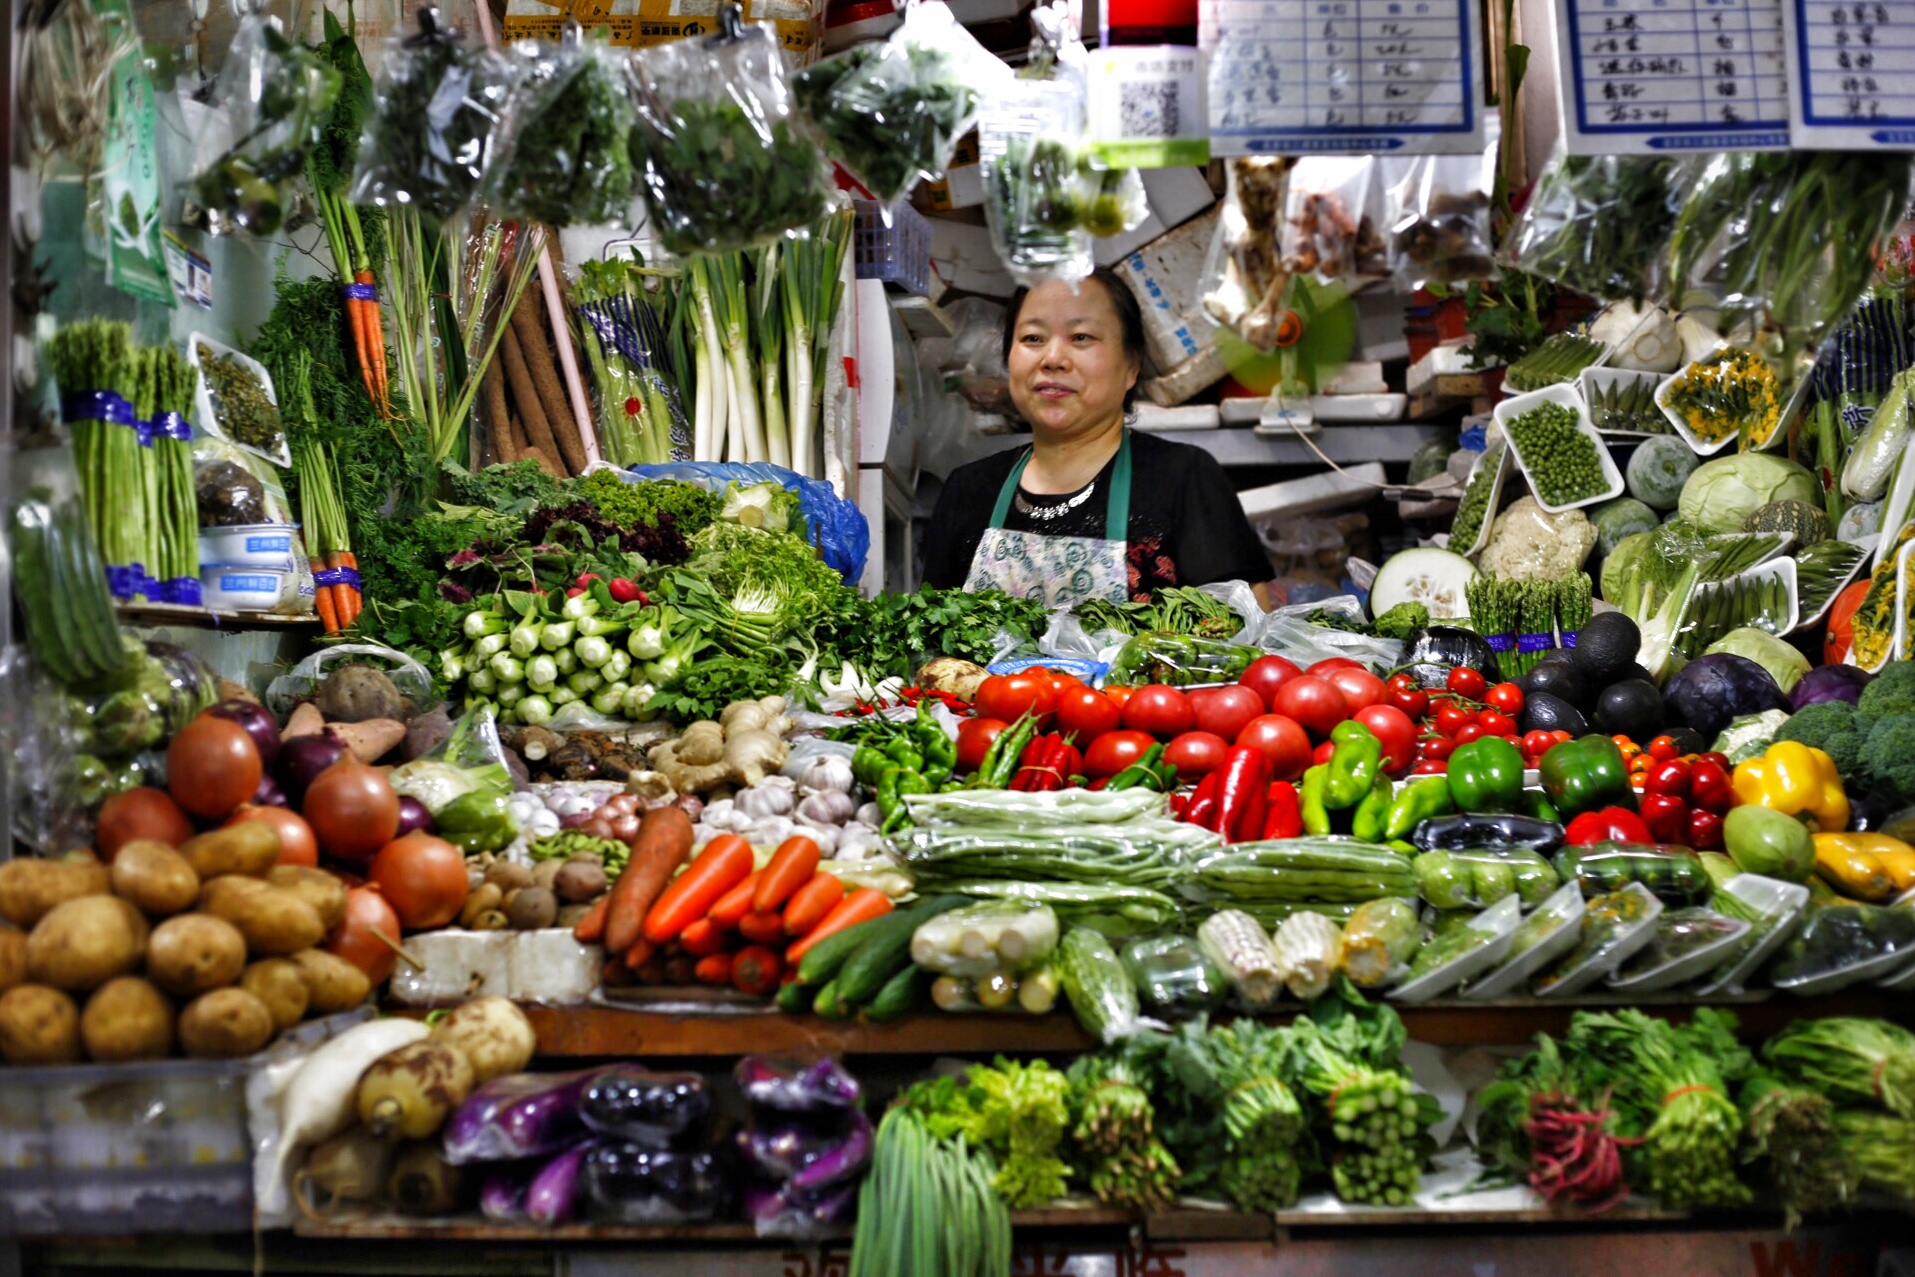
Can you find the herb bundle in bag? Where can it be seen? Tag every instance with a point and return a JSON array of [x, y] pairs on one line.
[[1034, 189], [427, 143], [622, 332], [892, 113], [279, 95], [1598, 224], [563, 151], [719, 157]]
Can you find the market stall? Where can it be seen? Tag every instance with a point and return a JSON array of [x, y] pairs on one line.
[[474, 799]]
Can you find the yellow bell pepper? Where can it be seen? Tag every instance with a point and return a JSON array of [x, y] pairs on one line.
[[1796, 780], [1872, 867]]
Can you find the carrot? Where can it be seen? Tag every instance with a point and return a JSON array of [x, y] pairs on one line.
[[702, 938], [640, 954], [725, 862], [762, 928], [791, 867], [322, 598], [591, 928], [713, 968], [734, 904], [350, 560], [860, 906], [756, 970], [811, 902], [373, 354], [664, 840]]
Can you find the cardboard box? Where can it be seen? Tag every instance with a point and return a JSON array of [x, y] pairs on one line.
[[962, 185], [640, 24], [1167, 276]]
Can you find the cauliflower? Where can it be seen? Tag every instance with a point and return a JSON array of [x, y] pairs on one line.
[[1526, 543]]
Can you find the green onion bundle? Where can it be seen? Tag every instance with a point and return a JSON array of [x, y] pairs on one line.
[[622, 333], [1792, 1133], [96, 356], [927, 1207], [1880, 1152], [1850, 1060]]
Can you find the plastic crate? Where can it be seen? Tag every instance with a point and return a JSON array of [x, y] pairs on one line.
[[897, 251]]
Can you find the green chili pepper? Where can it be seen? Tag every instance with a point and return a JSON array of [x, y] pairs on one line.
[[1372, 814], [1415, 803], [868, 765], [905, 754], [1316, 819], [1142, 772], [902, 783], [996, 773], [1355, 762], [1536, 805]]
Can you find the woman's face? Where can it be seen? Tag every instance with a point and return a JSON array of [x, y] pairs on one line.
[[1068, 369]]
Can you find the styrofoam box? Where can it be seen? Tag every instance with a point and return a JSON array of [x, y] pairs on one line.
[[1157, 417], [1167, 277], [1313, 492], [1195, 374], [551, 966], [454, 966], [1175, 195]]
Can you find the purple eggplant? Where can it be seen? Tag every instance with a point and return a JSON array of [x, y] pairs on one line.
[[810, 1154], [788, 1213], [657, 1110], [631, 1184], [552, 1196], [793, 1088], [502, 1197], [518, 1115]]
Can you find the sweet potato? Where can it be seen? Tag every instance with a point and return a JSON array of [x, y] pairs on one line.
[[372, 739], [305, 720]]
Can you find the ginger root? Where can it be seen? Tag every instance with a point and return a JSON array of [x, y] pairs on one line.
[[744, 746]]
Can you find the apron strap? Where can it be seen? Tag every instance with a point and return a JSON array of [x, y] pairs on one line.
[[1116, 506], [1002, 510]]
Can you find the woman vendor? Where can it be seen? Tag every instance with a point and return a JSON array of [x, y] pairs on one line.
[[1091, 508]]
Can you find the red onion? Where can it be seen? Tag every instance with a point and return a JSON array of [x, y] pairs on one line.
[[303, 758], [258, 722], [692, 805], [414, 816], [269, 794], [574, 820]]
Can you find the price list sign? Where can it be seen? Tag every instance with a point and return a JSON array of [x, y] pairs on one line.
[[1853, 71], [1342, 76], [1646, 76]]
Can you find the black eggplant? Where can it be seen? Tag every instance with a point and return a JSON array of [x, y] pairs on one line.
[[657, 1110], [1488, 833], [1429, 654], [631, 1184]]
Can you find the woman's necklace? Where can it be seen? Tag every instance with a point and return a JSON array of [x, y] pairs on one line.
[[1046, 513]]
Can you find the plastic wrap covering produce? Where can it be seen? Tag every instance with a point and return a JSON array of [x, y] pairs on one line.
[[1598, 224], [519, 1115], [277, 95], [658, 1110], [560, 155], [1440, 225], [1153, 852]]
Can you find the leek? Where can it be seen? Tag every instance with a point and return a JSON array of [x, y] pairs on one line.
[[535, 710], [593, 651], [745, 437], [812, 286], [770, 327], [710, 417]]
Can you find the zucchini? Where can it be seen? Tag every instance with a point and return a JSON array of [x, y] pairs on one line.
[[887, 949], [902, 994], [1095, 981], [795, 996]]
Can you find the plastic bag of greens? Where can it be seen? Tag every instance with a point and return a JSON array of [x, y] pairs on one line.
[[1035, 189], [436, 104], [277, 95], [1598, 224], [1244, 279], [561, 151], [1439, 216], [893, 112], [1180, 660], [719, 158], [1174, 977]]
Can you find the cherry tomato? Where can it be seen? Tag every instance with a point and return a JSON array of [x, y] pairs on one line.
[[1062, 682], [1720, 760], [1324, 667], [1559, 736], [1266, 674], [1468, 732], [1358, 685], [1663, 748], [1394, 728], [1495, 723], [1158, 709], [1114, 751], [1537, 743], [1451, 719], [1438, 747], [1430, 767], [1506, 697], [1011, 696], [1085, 713], [1467, 682], [1404, 693], [1282, 742], [1316, 703], [1196, 753], [974, 738]]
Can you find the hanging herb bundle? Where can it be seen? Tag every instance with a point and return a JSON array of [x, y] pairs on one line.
[[280, 94], [564, 155], [1598, 224], [95, 365]]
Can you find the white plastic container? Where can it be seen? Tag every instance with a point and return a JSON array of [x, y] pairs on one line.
[[1500, 921], [1805, 619], [272, 546], [1594, 379], [1781, 904], [457, 965], [1579, 973], [1652, 975], [247, 589], [1498, 455], [1557, 922], [1696, 443], [1566, 397], [1884, 962]]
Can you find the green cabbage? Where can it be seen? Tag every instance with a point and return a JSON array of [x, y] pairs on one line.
[[1784, 664], [1722, 494]]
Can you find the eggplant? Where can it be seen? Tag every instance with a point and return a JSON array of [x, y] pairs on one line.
[[1429, 654], [787, 1213], [552, 1196], [502, 1196], [791, 1088], [628, 1183], [809, 1154], [638, 1106], [519, 1115], [1488, 833]]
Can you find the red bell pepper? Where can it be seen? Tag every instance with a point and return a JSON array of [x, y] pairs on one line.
[[1670, 779], [1666, 816], [1282, 816], [1710, 788], [1241, 798], [1611, 824], [1705, 830], [1204, 804]]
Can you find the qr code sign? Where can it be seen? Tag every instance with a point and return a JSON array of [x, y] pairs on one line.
[[1148, 108]]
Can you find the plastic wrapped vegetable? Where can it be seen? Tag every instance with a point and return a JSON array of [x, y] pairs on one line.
[[810, 1154], [519, 1115], [1238, 944], [1035, 192], [796, 1088], [1379, 940], [1598, 223], [1672, 873], [719, 159], [1175, 979], [629, 1103], [1180, 660], [1100, 990], [1478, 879], [986, 938], [1440, 231], [563, 154], [279, 95], [1244, 282], [1840, 944], [787, 1212], [1309, 950], [632, 1184]]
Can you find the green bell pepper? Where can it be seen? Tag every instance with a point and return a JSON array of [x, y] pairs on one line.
[[1486, 775], [1416, 802], [1355, 762], [1586, 775], [477, 822], [1316, 819], [1372, 814], [1536, 806]]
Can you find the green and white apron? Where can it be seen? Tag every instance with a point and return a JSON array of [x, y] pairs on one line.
[[1061, 572]]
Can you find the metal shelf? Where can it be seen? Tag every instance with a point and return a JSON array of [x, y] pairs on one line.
[[1243, 446]]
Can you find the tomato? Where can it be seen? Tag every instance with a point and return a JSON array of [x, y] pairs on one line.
[[1322, 754], [1118, 695], [1282, 742], [140, 813], [1394, 728], [1468, 732], [1011, 696], [1330, 664], [297, 845], [1663, 748], [974, 738], [1114, 751], [1158, 709], [1404, 692], [1358, 685], [1196, 753], [1537, 743], [1506, 697], [1496, 724], [1085, 713], [1467, 682], [1451, 718], [1314, 702], [358, 937], [1430, 767], [1439, 747], [1266, 674], [1225, 710], [212, 766]]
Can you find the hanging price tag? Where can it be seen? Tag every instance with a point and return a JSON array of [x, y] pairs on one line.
[[1853, 66]]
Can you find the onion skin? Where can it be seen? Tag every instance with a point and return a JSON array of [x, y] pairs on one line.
[[297, 844], [353, 940], [352, 809], [140, 813], [303, 758], [269, 794], [423, 878], [415, 817], [212, 766], [258, 722]]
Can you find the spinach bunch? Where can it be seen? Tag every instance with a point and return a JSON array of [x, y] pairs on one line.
[[890, 112], [569, 159]]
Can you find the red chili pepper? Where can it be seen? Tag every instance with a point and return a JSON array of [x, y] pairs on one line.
[[1709, 786], [1179, 803], [1282, 817], [1670, 778], [1206, 802], [1705, 830], [1611, 824], [1246, 777], [1666, 817]]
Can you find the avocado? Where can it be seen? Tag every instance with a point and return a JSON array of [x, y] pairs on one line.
[[1688, 740], [1632, 708], [1606, 647], [1544, 712], [1636, 672], [1560, 679]]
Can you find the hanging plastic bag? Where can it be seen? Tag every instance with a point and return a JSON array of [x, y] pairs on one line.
[[1244, 278], [436, 104], [1035, 192], [1440, 216], [1598, 224], [835, 526], [278, 95], [721, 161], [1327, 228], [892, 113], [561, 151]]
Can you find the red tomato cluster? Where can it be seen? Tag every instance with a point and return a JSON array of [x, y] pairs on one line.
[[1464, 709]]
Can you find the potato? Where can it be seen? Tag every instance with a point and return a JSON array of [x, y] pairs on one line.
[[13, 957], [531, 909], [508, 875], [273, 920], [83, 943], [322, 890], [277, 983], [194, 952], [545, 873], [250, 847], [29, 888], [224, 1025], [333, 983], [154, 878], [579, 881], [38, 1025], [127, 1019]]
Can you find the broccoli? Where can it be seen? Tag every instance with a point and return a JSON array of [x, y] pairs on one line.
[[1888, 758], [1890, 692], [1402, 620], [1833, 726]]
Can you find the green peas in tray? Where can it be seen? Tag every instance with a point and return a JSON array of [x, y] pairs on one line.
[[1563, 460]]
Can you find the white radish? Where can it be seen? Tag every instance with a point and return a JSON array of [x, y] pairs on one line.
[[317, 1103]]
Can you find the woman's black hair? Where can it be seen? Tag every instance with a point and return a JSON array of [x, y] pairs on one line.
[[1130, 318]]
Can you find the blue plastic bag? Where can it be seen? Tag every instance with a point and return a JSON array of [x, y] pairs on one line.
[[832, 524]]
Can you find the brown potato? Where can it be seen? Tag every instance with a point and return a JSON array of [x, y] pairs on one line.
[[29, 888], [322, 890], [83, 943], [579, 881], [508, 875], [334, 983], [13, 957], [273, 920], [154, 878], [224, 1025], [127, 1019], [277, 983], [194, 952], [250, 847], [38, 1025]]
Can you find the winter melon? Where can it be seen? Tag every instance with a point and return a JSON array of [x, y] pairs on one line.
[[1435, 578], [1657, 470]]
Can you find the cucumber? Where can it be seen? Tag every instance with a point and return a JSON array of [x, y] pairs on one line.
[[1094, 979], [794, 997], [887, 949], [829, 1005], [821, 962], [902, 994]]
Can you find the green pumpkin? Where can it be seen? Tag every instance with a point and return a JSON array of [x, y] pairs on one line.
[[1809, 523]]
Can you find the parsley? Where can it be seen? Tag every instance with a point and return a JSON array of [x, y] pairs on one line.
[[518, 488], [712, 682], [893, 633], [629, 505]]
